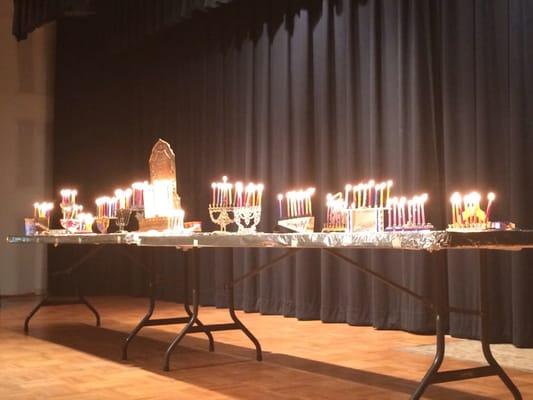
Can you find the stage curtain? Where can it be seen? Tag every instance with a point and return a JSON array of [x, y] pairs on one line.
[[127, 23], [434, 94]]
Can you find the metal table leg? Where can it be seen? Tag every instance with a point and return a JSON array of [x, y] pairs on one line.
[[240, 325], [80, 299], [485, 325], [235, 325], [148, 321], [187, 306], [433, 375]]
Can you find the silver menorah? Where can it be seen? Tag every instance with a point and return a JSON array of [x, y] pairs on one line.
[[247, 218]]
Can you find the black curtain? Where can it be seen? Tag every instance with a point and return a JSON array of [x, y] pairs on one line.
[[127, 23], [435, 95]]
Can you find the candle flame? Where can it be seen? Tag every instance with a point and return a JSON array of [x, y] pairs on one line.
[[491, 196], [456, 198]]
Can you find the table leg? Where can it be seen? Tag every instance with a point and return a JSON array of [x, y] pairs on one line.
[[33, 312], [442, 309], [187, 306], [208, 329], [437, 361], [493, 369], [184, 330], [240, 325], [81, 299], [147, 320], [485, 326]]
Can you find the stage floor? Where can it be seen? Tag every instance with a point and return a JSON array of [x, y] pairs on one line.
[[66, 357]]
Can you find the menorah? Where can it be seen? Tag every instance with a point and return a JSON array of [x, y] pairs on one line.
[[247, 218], [220, 216]]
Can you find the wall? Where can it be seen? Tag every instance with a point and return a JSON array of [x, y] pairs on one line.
[[27, 71]]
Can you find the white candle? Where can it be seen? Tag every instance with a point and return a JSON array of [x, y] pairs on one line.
[[347, 190], [490, 197], [214, 187]]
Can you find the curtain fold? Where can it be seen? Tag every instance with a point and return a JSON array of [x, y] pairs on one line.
[[435, 95], [127, 22]]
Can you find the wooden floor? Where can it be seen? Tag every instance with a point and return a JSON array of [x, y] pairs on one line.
[[66, 357]]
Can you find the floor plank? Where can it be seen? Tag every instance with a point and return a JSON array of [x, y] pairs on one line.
[[66, 357]]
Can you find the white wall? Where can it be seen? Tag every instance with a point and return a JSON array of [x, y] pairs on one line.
[[26, 122]]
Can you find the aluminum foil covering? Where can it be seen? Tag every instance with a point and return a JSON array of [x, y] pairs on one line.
[[67, 238], [427, 240], [403, 240]]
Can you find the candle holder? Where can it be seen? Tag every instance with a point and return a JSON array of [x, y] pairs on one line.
[[298, 224], [220, 216], [102, 224], [42, 224], [71, 225], [247, 218], [365, 219], [123, 218]]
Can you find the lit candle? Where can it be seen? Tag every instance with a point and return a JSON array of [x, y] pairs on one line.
[[260, 188], [347, 189], [238, 190], [363, 188], [219, 194], [394, 204], [490, 197], [224, 187], [410, 210], [311, 192], [389, 212], [214, 187], [402, 210], [423, 200], [231, 199], [389, 185], [280, 199], [328, 211], [371, 185], [456, 213]]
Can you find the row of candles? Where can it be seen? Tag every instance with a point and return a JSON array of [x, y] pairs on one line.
[[225, 194], [466, 210], [108, 206], [415, 215], [42, 210], [335, 212], [298, 203], [367, 195], [157, 199]]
